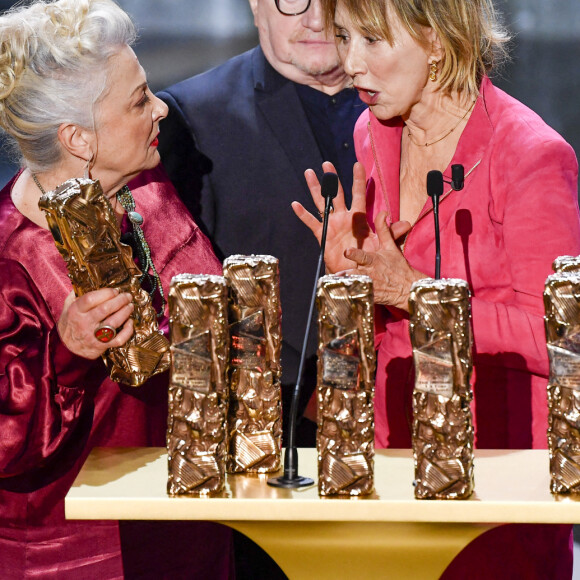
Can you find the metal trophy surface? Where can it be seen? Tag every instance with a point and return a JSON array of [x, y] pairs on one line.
[[442, 422], [198, 391], [86, 234], [255, 407], [566, 264], [345, 391], [562, 324]]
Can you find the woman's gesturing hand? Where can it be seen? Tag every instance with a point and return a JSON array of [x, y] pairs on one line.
[[347, 228], [391, 273], [81, 316]]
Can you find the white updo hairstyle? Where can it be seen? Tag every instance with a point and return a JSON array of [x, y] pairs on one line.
[[53, 69]]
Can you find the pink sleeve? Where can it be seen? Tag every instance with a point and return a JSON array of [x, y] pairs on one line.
[[362, 146], [538, 207], [41, 397], [364, 155]]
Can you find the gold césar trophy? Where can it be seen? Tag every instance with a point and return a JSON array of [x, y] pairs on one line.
[[198, 389], [345, 386], [562, 325], [441, 338], [86, 234], [566, 264], [255, 406]]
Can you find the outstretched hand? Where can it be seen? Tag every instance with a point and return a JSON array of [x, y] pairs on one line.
[[392, 275], [347, 228], [81, 316]]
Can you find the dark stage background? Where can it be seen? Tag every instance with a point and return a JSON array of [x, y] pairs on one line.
[[180, 38]]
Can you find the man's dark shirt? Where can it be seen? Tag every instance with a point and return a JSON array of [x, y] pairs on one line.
[[332, 119]]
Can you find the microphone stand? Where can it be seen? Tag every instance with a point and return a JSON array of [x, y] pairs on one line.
[[290, 478], [435, 190], [437, 238]]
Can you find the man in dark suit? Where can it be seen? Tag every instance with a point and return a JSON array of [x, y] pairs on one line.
[[236, 144]]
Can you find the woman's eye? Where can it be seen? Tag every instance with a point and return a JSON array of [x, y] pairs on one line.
[[145, 99], [341, 34]]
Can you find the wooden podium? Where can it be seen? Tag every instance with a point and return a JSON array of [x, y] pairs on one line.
[[315, 537]]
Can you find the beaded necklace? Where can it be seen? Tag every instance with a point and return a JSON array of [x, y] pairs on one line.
[[141, 247]]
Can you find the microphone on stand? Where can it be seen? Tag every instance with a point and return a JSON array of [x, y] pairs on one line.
[[435, 190], [457, 177], [291, 479]]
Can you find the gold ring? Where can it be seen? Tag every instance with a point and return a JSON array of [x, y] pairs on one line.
[[105, 333]]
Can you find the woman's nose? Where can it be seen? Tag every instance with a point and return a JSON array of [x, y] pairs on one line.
[[160, 109], [352, 60]]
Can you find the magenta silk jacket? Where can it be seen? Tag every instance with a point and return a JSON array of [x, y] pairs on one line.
[[517, 212], [55, 406]]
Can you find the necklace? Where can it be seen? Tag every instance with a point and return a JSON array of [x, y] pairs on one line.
[[125, 198], [446, 134], [141, 247], [38, 183]]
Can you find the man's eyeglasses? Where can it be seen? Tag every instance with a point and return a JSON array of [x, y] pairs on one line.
[[292, 7]]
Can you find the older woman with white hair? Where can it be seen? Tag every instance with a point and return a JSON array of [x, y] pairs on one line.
[[75, 100]]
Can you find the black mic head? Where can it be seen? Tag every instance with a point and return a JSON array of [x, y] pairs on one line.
[[434, 183], [457, 177], [329, 186]]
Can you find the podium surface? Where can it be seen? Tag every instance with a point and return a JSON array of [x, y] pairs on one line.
[[389, 533]]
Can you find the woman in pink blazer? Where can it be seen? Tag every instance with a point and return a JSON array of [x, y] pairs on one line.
[[422, 68]]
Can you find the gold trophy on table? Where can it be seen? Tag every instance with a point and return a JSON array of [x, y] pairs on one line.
[[441, 339], [345, 392], [562, 324], [198, 389], [255, 409]]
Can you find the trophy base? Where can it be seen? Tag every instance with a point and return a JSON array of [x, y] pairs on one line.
[[290, 482]]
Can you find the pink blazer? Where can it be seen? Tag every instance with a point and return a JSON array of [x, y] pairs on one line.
[[517, 212]]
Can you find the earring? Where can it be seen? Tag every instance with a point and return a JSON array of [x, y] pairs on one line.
[[433, 71], [87, 174]]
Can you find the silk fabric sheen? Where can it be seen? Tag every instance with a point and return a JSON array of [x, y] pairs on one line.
[[55, 406]]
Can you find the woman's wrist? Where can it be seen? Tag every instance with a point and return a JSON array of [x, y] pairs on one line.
[[69, 368]]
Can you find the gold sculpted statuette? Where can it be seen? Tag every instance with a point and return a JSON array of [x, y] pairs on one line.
[[442, 422], [86, 234], [255, 411], [562, 323], [198, 391], [346, 368], [566, 264]]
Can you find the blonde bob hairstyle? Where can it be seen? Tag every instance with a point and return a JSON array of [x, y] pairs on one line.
[[53, 69], [472, 39]]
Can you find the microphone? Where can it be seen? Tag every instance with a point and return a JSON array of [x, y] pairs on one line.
[[434, 191], [328, 190], [290, 478], [457, 177]]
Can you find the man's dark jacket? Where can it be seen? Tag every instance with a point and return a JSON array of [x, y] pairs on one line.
[[236, 144]]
